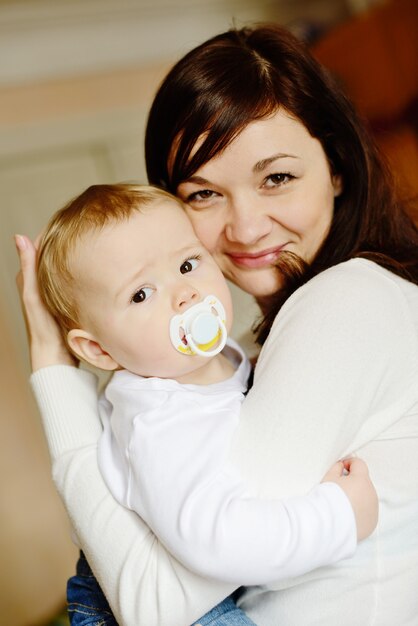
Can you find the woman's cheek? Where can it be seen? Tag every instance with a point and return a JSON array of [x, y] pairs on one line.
[[207, 230]]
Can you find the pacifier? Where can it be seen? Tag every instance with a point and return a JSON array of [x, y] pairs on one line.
[[201, 329]]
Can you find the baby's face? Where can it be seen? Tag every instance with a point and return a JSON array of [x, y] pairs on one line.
[[133, 276]]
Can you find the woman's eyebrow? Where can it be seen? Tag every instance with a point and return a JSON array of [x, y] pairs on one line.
[[258, 167], [198, 180], [261, 165]]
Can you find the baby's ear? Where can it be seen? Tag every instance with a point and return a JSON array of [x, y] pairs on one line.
[[84, 345]]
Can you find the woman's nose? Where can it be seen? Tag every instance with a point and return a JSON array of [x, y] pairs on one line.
[[247, 224], [184, 297]]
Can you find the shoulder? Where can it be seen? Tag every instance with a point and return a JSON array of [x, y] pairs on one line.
[[354, 308], [357, 287], [358, 277]]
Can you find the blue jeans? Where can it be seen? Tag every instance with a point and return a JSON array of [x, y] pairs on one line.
[[87, 605]]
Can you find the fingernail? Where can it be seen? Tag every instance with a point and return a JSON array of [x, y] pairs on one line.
[[20, 242]]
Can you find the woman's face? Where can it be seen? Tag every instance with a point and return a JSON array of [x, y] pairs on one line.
[[270, 190]]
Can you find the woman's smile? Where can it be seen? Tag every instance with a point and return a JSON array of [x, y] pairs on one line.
[[256, 260]]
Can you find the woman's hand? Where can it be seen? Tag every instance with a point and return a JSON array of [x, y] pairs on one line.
[[47, 346]]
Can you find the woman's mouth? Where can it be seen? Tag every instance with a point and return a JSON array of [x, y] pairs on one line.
[[256, 260]]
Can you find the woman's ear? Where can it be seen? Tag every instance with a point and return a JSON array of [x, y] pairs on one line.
[[84, 345], [337, 183]]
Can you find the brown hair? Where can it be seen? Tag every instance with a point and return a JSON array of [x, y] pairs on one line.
[[244, 75], [96, 207]]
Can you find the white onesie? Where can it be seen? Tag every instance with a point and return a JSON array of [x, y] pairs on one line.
[[163, 454]]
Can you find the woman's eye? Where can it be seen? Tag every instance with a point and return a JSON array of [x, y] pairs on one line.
[[189, 265], [200, 196], [141, 295], [275, 180]]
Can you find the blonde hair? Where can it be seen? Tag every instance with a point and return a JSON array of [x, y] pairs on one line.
[[95, 208]]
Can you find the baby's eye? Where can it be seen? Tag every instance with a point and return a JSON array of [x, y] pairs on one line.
[[189, 265], [141, 294]]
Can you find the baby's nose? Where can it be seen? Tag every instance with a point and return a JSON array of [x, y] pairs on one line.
[[186, 297]]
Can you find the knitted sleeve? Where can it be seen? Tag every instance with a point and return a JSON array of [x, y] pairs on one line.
[[338, 369], [143, 583]]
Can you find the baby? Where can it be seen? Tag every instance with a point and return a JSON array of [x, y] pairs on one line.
[[136, 293]]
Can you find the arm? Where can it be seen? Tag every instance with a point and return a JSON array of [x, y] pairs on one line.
[[144, 584], [202, 511], [338, 368], [293, 460]]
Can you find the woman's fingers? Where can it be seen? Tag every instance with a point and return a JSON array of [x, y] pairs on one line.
[[26, 278], [37, 317], [47, 346]]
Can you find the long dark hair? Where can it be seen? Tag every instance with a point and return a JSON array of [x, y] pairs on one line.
[[246, 74]]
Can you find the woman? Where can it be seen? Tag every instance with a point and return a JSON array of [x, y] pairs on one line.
[[287, 191]]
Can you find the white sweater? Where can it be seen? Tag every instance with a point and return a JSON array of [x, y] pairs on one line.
[[338, 374], [163, 453]]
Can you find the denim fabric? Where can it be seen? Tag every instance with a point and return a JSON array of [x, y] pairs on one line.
[[87, 605], [225, 613]]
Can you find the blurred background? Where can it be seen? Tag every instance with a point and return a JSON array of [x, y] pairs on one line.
[[76, 81]]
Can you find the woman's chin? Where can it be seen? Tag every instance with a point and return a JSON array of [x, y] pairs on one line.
[[260, 284]]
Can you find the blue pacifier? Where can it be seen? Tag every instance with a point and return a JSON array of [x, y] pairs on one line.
[[201, 329]]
